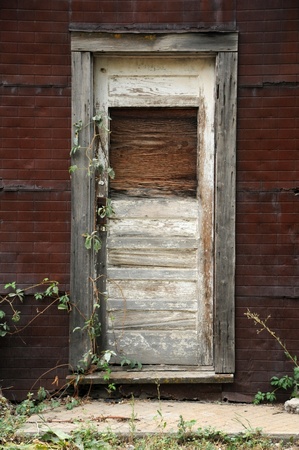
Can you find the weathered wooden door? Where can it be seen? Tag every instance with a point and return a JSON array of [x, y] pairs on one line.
[[159, 249]]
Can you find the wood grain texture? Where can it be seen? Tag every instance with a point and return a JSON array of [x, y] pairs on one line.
[[152, 320], [154, 151], [157, 258], [159, 374], [179, 293], [153, 288], [83, 188], [184, 43], [225, 212], [156, 347]]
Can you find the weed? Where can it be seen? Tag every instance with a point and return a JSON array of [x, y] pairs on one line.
[[284, 382], [133, 418], [161, 423], [30, 406], [88, 438], [71, 403], [131, 363], [185, 428]]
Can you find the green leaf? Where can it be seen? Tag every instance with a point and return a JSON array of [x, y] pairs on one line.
[[4, 329], [98, 119], [12, 294], [102, 212], [77, 329], [16, 316], [111, 173], [74, 149], [97, 244], [62, 307], [64, 302], [270, 396], [284, 382], [10, 285], [73, 168], [2, 314], [88, 242], [56, 436], [259, 397], [275, 381], [109, 208], [296, 373]]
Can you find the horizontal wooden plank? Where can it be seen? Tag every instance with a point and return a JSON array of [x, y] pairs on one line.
[[147, 86], [169, 291], [151, 274], [156, 347], [185, 375], [161, 101], [128, 257], [162, 208], [184, 43], [152, 243], [152, 228], [157, 304], [142, 320]]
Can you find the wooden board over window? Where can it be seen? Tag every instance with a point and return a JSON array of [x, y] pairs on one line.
[[153, 151]]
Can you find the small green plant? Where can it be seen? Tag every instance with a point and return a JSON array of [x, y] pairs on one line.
[[132, 420], [284, 382], [50, 291], [131, 363], [159, 418], [93, 241], [107, 210], [185, 428], [71, 403], [32, 405]]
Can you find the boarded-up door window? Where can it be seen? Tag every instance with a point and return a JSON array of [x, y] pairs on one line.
[[153, 151]]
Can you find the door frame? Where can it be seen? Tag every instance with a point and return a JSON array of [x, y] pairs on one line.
[[223, 46]]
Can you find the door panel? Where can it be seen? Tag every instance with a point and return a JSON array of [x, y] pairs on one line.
[[154, 154], [152, 281], [159, 241]]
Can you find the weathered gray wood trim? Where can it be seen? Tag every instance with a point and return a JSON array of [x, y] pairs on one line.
[[225, 140], [153, 43], [83, 194]]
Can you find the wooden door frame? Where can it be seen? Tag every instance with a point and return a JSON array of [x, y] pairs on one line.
[[223, 46]]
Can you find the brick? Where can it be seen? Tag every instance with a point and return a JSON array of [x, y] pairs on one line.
[[9, 25], [267, 230]]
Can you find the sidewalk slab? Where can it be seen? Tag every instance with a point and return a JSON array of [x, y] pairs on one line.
[[153, 416]]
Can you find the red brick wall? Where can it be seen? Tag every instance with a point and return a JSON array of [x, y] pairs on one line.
[[37, 355], [35, 123], [167, 14], [35, 120], [267, 180]]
